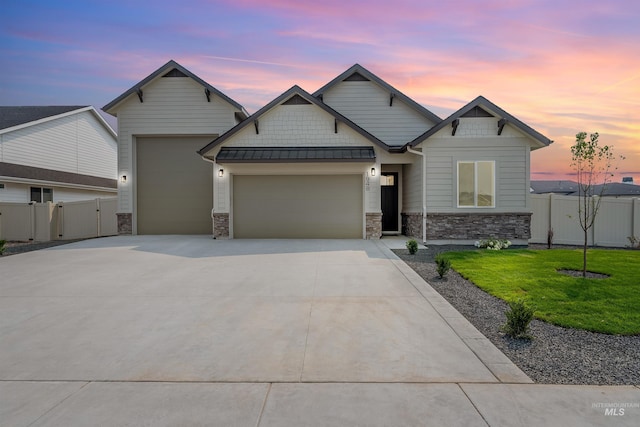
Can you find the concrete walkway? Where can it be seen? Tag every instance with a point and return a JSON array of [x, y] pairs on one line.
[[186, 330]]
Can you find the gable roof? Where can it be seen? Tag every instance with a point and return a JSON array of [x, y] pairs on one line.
[[14, 118], [166, 68], [359, 71], [553, 186], [294, 92], [481, 101]]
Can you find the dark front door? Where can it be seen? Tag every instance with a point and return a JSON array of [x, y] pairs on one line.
[[389, 194]]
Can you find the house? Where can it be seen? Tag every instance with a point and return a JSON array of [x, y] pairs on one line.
[[355, 159], [56, 153], [571, 188]]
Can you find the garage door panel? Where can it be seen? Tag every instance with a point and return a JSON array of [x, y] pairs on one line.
[[300, 206], [174, 186]]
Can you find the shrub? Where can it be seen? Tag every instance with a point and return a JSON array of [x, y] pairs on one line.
[[493, 243], [443, 265], [519, 316], [2, 248], [412, 245]]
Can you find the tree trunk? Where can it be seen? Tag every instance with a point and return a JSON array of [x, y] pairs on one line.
[[584, 255]]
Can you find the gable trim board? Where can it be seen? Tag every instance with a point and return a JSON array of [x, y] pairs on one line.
[[46, 114], [281, 171], [160, 72], [366, 74]]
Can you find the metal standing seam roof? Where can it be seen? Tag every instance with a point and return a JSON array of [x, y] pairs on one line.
[[11, 116], [295, 154]]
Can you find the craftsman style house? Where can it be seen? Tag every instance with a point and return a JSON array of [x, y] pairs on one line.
[[355, 159]]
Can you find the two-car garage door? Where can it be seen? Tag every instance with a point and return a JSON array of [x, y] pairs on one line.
[[297, 206]]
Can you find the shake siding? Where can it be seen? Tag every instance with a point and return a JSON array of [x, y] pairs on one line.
[[172, 106], [76, 144], [297, 125], [367, 105]]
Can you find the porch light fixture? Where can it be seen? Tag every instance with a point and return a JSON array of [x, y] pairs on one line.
[[123, 179], [373, 171], [221, 173]]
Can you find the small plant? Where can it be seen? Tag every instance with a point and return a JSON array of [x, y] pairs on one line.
[[493, 244], [634, 242], [443, 265], [412, 245], [2, 247], [519, 316]]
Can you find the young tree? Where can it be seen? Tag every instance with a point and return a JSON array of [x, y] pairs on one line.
[[592, 164]]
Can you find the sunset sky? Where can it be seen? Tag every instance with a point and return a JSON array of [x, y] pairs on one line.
[[560, 66]]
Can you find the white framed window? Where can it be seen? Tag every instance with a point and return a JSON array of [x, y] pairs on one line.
[[476, 184], [41, 195]]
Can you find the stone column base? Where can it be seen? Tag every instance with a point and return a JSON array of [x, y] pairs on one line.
[[374, 225], [125, 223], [220, 225]]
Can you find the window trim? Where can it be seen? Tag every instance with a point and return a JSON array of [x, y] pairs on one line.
[[475, 184], [31, 188]]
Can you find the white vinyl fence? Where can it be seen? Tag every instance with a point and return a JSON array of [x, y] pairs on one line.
[[42, 222], [617, 220]]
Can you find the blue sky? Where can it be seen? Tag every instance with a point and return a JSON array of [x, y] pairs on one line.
[[560, 66]]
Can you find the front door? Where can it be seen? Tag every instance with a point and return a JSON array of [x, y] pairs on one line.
[[389, 202]]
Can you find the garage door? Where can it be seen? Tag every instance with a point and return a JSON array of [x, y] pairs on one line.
[[297, 206], [174, 186]]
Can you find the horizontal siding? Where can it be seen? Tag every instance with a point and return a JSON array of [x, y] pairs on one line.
[[75, 144], [175, 106], [72, 195], [15, 193], [21, 193], [172, 106], [412, 186], [367, 104], [510, 155]]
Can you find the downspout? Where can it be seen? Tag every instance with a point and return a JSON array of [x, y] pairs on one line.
[[213, 190], [424, 192]]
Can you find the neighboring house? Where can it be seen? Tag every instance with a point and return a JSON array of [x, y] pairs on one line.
[[570, 188], [562, 187], [355, 159], [56, 153]]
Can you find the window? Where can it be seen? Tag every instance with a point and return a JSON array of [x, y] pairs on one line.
[[476, 184], [41, 195]]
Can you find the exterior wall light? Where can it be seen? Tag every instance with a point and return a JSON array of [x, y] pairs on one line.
[[221, 173], [373, 171], [123, 179]]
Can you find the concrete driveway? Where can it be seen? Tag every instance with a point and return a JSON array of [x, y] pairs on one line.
[[166, 330]]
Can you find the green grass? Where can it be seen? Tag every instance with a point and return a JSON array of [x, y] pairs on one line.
[[610, 305]]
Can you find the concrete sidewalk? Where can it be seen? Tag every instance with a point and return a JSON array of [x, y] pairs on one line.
[[183, 330]]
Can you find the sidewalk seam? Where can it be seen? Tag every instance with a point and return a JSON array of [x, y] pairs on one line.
[[264, 404], [473, 404]]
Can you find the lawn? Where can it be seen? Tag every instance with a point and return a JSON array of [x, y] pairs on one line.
[[610, 305]]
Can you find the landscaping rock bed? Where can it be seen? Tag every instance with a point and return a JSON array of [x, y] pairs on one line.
[[556, 355], [12, 248]]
